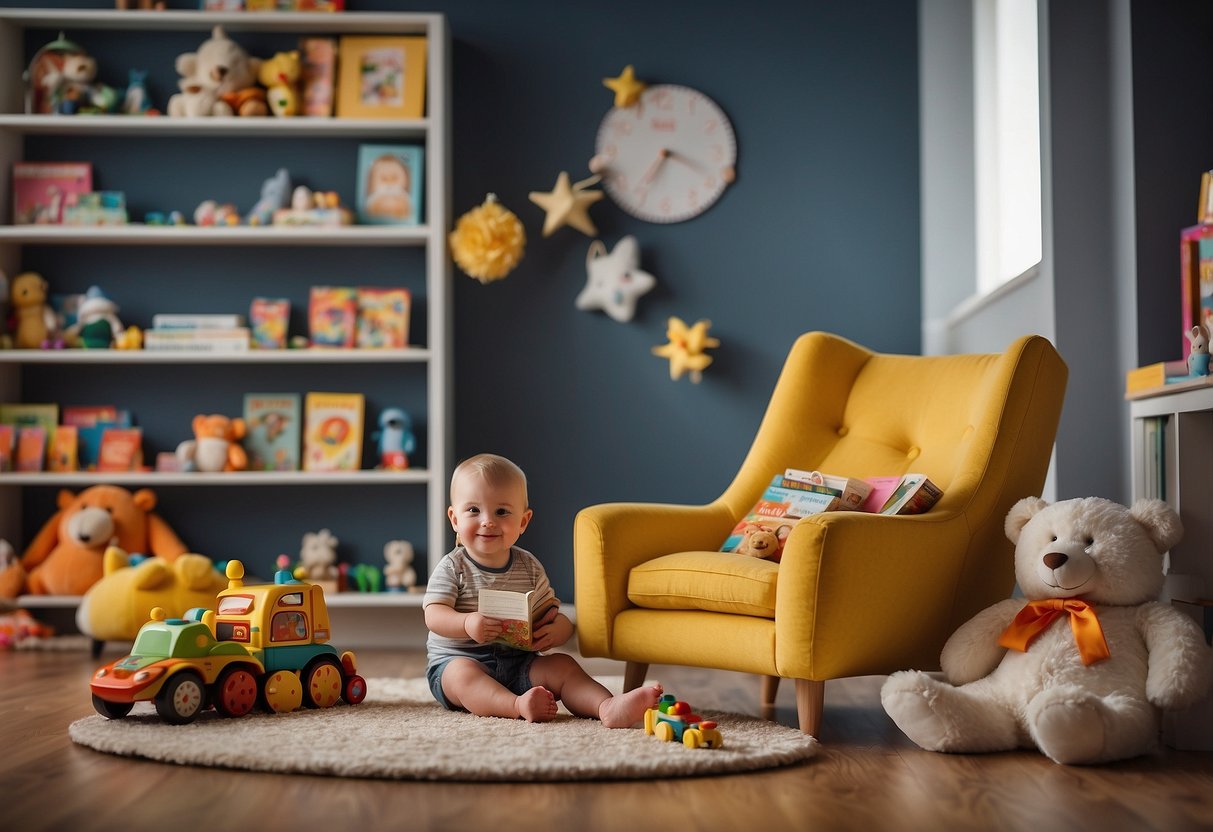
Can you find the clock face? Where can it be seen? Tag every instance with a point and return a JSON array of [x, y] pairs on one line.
[[668, 157]]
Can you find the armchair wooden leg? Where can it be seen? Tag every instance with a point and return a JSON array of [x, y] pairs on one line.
[[766, 704], [633, 675], [810, 702]]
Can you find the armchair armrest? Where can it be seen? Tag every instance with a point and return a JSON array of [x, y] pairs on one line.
[[862, 593], [610, 540]]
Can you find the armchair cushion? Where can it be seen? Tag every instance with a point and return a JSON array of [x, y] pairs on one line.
[[711, 581]]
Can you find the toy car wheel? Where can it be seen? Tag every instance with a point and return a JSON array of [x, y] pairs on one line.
[[322, 684], [650, 721], [692, 738], [182, 698], [664, 732], [282, 692], [355, 690], [111, 710], [235, 692]]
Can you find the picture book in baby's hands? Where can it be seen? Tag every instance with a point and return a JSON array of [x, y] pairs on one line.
[[908, 494], [762, 532], [514, 611]]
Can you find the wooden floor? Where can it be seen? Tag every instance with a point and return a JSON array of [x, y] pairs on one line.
[[867, 777]]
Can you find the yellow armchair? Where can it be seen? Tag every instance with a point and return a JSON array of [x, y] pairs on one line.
[[855, 593]]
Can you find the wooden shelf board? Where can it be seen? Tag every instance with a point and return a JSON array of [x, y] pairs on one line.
[[415, 355], [83, 479], [163, 126], [188, 235]]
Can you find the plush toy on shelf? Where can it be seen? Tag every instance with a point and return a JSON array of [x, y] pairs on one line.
[[223, 68], [399, 574], [73, 88], [280, 76], [1198, 355], [275, 195], [97, 325], [215, 446], [1083, 664], [35, 320], [318, 559], [395, 438], [65, 557]]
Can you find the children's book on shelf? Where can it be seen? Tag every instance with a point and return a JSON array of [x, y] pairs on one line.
[[31, 448], [383, 318], [8, 437], [121, 449], [514, 611], [269, 318], [390, 184], [319, 75], [852, 491], [41, 190], [910, 494], [45, 416], [777, 512], [332, 431], [90, 422], [197, 340], [164, 320], [332, 316], [63, 455], [273, 422]]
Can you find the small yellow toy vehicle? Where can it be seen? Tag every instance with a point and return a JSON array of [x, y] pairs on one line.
[[673, 720]]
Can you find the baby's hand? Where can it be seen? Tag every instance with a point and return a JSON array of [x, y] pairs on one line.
[[480, 628], [549, 632]]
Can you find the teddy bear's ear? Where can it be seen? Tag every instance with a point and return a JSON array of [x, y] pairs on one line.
[[65, 498], [187, 64], [1161, 522], [1020, 514], [145, 499]]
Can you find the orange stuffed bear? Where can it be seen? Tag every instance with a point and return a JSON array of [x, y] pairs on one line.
[[66, 557], [215, 446]]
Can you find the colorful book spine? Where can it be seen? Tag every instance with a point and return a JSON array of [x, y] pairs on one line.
[[197, 340], [270, 320], [333, 316], [383, 318]]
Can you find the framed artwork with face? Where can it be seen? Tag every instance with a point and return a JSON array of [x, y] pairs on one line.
[[390, 184]]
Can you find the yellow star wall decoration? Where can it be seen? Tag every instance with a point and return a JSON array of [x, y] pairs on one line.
[[627, 88], [685, 349], [568, 205]]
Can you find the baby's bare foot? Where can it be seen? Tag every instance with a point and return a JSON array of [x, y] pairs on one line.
[[537, 704], [626, 709]]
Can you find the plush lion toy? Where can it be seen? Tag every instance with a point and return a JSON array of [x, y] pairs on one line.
[[65, 558]]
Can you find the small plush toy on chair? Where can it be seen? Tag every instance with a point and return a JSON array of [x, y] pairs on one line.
[[1082, 666]]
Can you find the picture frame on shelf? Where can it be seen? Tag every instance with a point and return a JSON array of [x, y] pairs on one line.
[[381, 77], [1196, 281], [390, 184]]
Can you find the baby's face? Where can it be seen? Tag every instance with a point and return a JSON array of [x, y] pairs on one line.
[[389, 175], [488, 517]]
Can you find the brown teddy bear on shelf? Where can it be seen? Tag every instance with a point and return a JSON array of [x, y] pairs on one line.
[[66, 556], [35, 320], [215, 446]]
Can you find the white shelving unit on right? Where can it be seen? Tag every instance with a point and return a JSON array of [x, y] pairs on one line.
[[1172, 458]]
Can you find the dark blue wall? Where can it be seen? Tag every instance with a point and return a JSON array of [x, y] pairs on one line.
[[820, 231]]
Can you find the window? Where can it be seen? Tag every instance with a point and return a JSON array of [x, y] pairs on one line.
[[1007, 138]]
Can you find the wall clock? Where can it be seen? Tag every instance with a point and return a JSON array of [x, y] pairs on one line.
[[668, 157]]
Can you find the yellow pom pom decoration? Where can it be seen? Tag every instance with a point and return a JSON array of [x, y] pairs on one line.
[[488, 240], [685, 349]]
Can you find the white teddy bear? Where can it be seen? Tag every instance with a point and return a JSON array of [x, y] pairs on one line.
[[399, 574], [318, 558], [220, 79], [1082, 670]]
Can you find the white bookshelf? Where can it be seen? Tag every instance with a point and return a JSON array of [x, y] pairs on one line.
[[18, 128], [1171, 448]]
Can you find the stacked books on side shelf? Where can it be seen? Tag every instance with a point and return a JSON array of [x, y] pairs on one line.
[[89, 438], [197, 333], [1162, 377]]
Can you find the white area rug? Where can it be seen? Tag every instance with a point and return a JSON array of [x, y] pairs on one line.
[[400, 733]]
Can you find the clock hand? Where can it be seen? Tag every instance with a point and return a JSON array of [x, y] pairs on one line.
[[728, 173], [662, 155]]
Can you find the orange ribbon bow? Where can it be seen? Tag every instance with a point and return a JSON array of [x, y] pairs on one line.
[[1036, 617]]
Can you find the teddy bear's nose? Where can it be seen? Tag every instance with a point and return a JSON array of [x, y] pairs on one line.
[[1054, 560]]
